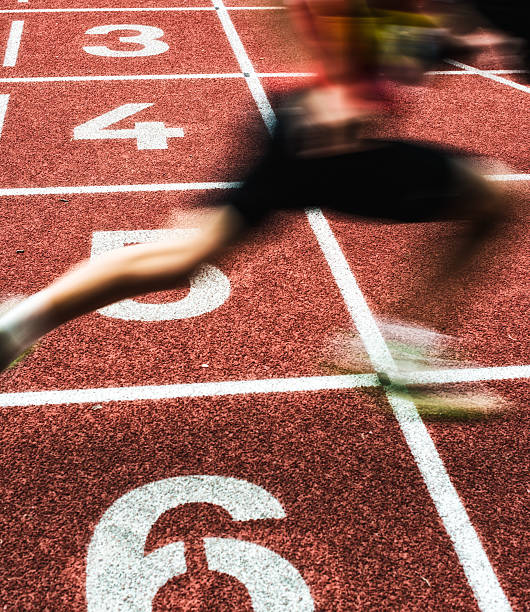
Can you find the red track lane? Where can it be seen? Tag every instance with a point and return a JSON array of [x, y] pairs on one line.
[[219, 139], [359, 527], [488, 464], [52, 45], [390, 260], [273, 324], [271, 48]]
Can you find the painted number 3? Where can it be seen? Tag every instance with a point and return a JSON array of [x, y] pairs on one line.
[[121, 578], [148, 37]]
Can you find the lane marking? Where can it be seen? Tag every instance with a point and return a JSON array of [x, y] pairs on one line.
[[475, 563], [140, 9], [4, 99], [207, 389], [508, 177], [464, 72], [147, 187], [72, 189], [251, 387], [109, 10], [255, 8], [458, 375], [489, 75], [253, 82], [13, 44], [148, 77], [206, 75]]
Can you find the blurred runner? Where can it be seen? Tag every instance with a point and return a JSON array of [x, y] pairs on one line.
[[321, 154], [501, 25]]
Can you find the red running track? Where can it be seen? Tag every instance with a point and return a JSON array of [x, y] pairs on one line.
[[360, 527]]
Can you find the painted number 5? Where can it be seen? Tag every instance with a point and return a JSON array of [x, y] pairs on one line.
[[147, 37], [209, 287]]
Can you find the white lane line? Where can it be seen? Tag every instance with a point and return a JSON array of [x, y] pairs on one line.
[[110, 10], [488, 74], [476, 565], [190, 76], [207, 389], [13, 44], [151, 77], [147, 187], [355, 303], [253, 82], [244, 387], [461, 375], [255, 8], [464, 72], [140, 9], [4, 99], [508, 177], [457, 375], [72, 189]]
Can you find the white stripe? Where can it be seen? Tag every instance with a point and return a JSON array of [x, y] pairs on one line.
[[13, 43], [508, 177], [246, 66], [151, 77], [24, 191], [110, 10], [4, 99], [208, 389], [72, 189], [256, 8], [172, 77], [489, 74], [355, 303], [468, 375], [140, 9], [242, 387], [476, 565], [288, 75], [464, 72]]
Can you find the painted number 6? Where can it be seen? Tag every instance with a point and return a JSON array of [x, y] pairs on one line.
[[148, 37], [121, 578]]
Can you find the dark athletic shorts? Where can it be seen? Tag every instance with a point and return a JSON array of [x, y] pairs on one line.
[[391, 181]]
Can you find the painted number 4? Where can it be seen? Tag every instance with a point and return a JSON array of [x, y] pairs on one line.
[[148, 134]]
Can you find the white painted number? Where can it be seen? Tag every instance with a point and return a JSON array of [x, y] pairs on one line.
[[120, 578], [209, 288], [148, 37], [148, 134]]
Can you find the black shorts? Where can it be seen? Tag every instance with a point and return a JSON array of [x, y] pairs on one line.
[[391, 180]]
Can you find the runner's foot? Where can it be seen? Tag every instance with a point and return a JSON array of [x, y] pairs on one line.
[[414, 348], [12, 350]]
